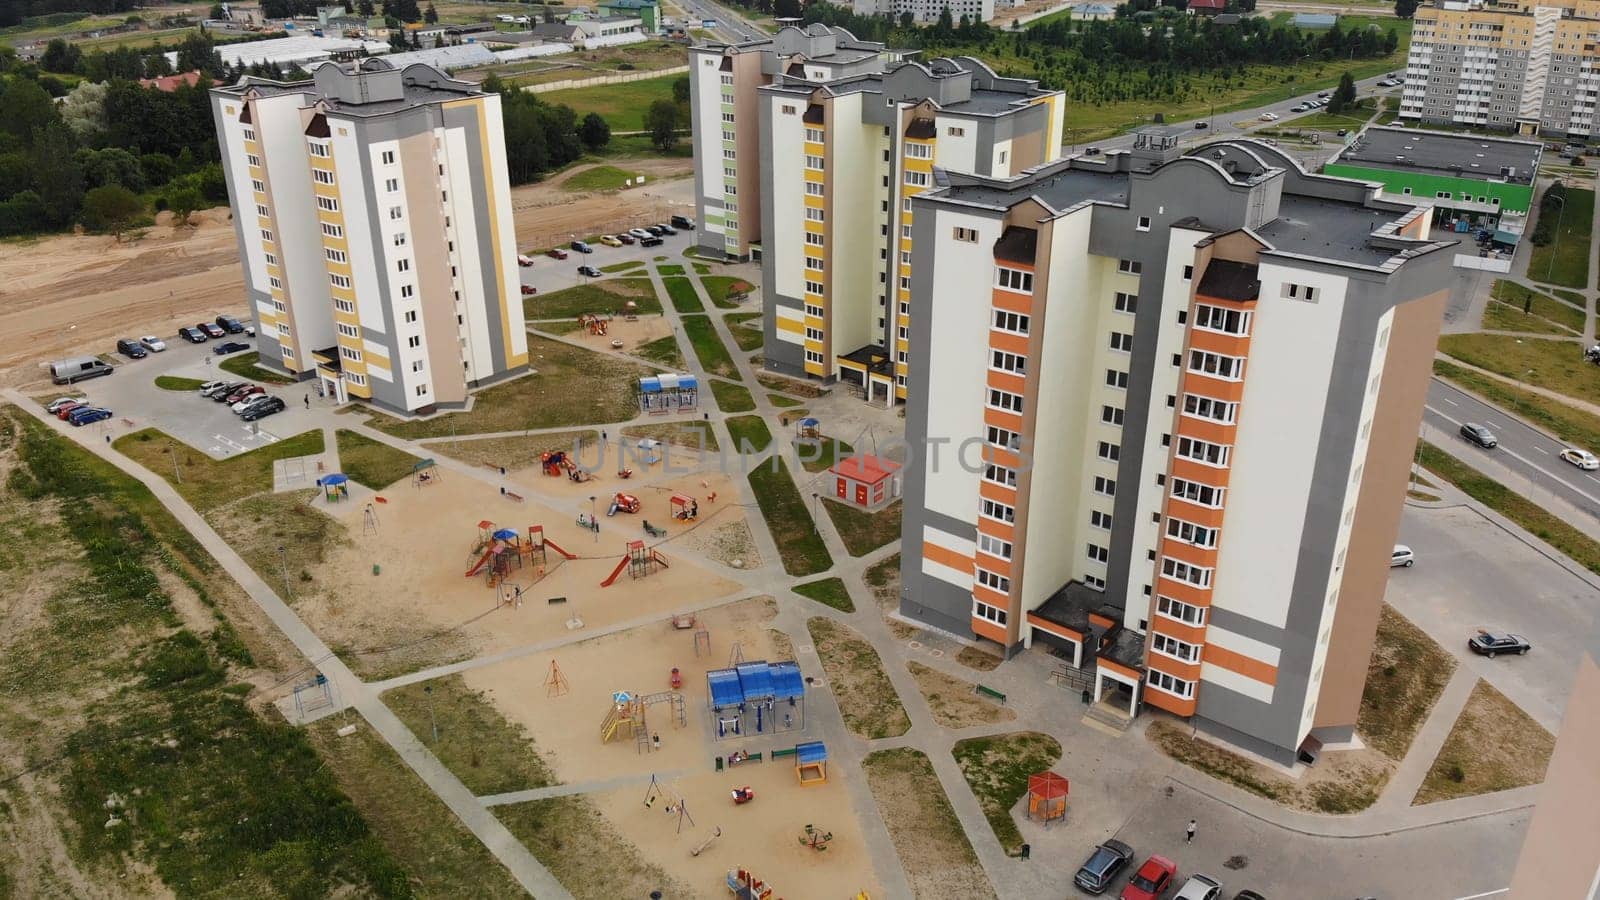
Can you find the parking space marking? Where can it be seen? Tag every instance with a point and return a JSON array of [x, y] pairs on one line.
[[1449, 401], [1542, 450], [1504, 890]]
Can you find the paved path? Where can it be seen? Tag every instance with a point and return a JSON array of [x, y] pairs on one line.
[[1403, 785]]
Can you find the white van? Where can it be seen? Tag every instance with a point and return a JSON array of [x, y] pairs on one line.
[[78, 368]]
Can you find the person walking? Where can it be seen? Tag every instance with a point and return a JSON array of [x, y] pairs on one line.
[[308, 400], [1193, 827]]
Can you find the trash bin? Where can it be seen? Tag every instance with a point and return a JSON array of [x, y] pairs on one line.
[[1086, 695], [1026, 850], [719, 764]]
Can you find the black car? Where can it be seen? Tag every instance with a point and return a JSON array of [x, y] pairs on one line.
[[582, 247], [1479, 435], [666, 229], [684, 222], [1248, 894], [224, 349], [1493, 643], [211, 329], [192, 335], [589, 271], [230, 324], [656, 230], [262, 409], [132, 349], [1201, 126], [1102, 866], [651, 241]]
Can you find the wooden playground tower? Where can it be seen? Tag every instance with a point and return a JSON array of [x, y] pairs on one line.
[[627, 716], [640, 561], [503, 550]]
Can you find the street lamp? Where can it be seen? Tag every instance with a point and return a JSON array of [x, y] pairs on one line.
[[428, 690], [1557, 246], [594, 520], [283, 569]]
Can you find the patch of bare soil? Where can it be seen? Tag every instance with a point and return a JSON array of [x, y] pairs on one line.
[[933, 849], [953, 702], [731, 544]]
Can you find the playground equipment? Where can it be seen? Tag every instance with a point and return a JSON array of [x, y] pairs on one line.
[[1047, 797], [755, 697], [668, 392], [624, 474], [538, 543], [558, 462], [630, 311], [744, 885], [807, 429], [335, 487], [555, 683], [674, 805], [627, 716], [425, 472], [639, 561], [596, 323], [653, 531], [675, 678], [743, 795], [627, 503], [811, 763], [697, 849], [685, 507], [503, 553], [816, 838]]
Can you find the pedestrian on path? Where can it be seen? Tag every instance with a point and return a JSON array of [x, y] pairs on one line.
[[308, 400], [1193, 826]]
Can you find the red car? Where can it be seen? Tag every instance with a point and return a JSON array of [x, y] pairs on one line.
[[1152, 879], [558, 253]]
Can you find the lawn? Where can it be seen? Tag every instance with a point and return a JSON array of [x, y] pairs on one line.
[[866, 697], [1493, 746], [1558, 312], [372, 463], [928, 837], [598, 178], [732, 398], [997, 768], [1570, 425], [209, 483], [795, 386], [713, 354], [819, 457], [662, 351], [175, 383], [750, 433], [570, 386], [684, 299], [475, 742], [673, 269], [1499, 316], [1406, 673], [1551, 364], [829, 592], [726, 291], [623, 106], [622, 266], [748, 337], [955, 702], [519, 452], [247, 365], [609, 296], [1350, 118], [584, 851], [799, 545], [695, 435], [1565, 260], [862, 531], [1575, 542]]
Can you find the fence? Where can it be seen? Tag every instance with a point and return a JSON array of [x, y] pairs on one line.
[[622, 78]]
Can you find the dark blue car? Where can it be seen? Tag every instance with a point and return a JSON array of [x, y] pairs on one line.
[[86, 415]]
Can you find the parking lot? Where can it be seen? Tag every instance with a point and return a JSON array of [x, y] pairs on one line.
[[549, 274], [208, 426]]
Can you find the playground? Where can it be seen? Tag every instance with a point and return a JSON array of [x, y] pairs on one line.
[[605, 334]]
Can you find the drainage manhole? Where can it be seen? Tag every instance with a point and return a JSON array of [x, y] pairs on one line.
[[1236, 862]]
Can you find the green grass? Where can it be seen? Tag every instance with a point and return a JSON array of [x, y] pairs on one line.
[[623, 106], [570, 386], [1406, 673], [799, 545], [1548, 527], [824, 455], [208, 483], [783, 402], [476, 743], [1499, 316], [997, 769], [1557, 311], [610, 296], [695, 435], [1565, 260], [829, 592], [1493, 746], [749, 433], [1551, 364], [866, 697], [1570, 425], [175, 383], [702, 269], [372, 463], [670, 269], [713, 354], [921, 822], [599, 178], [740, 326], [1351, 118], [664, 351], [732, 398], [247, 365], [861, 531], [722, 288], [1571, 297], [622, 266], [684, 299]]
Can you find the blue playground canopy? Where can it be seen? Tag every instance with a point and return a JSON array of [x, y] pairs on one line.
[[723, 685], [810, 752], [810, 422], [335, 478], [755, 680], [505, 534], [786, 681]]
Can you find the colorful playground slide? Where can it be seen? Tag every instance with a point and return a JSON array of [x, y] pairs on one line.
[[557, 548], [483, 560], [621, 564]]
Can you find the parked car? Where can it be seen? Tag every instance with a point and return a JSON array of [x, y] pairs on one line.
[[524, 259], [235, 396], [651, 241], [1269, 117], [56, 404], [78, 368], [1479, 435], [589, 271], [192, 335], [230, 324], [132, 349], [1343, 131], [1402, 556], [263, 409], [557, 253], [582, 247], [1199, 887], [1102, 866], [610, 240], [640, 233], [1323, 95], [626, 238], [1583, 459], [227, 347], [66, 409], [153, 343], [1301, 108], [1151, 880], [248, 400], [211, 329], [1201, 126], [1494, 643], [88, 415], [665, 229], [529, 290], [220, 389], [683, 222], [1248, 894], [208, 387]]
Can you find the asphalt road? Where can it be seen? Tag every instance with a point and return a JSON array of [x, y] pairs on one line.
[[730, 25], [1524, 450]]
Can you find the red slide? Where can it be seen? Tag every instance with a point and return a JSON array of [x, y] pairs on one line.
[[557, 548], [621, 564], [482, 561]]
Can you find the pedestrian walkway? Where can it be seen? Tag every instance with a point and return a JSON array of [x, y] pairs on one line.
[[1425, 746]]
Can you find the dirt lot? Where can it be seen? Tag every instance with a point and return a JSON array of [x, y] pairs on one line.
[[67, 294]]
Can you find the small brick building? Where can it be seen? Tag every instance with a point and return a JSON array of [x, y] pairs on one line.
[[866, 481]]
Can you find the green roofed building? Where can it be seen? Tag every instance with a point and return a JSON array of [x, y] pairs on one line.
[[648, 10], [1465, 176]]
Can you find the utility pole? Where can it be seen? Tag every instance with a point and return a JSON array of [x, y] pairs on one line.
[[283, 569], [1557, 246]]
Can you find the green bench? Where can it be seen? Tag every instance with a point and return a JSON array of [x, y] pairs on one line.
[[990, 692], [778, 753]]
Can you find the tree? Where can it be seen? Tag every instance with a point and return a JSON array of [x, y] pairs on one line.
[[680, 90], [1405, 9], [786, 9], [661, 120], [157, 168], [430, 15], [56, 173], [218, 11], [84, 110], [113, 165], [183, 201], [111, 208], [1344, 95], [60, 56], [365, 9], [16, 174], [25, 108], [594, 132], [22, 214]]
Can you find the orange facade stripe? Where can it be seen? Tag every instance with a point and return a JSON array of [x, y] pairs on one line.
[[1001, 457], [1175, 705], [1189, 470], [1189, 553], [987, 629], [996, 529], [999, 418], [1216, 342], [1008, 381], [1011, 301], [1247, 666], [1175, 667], [1120, 669], [1102, 621], [1182, 590], [1060, 631], [1194, 634], [1215, 432], [1193, 512], [991, 597], [1217, 388], [944, 556], [1011, 343]]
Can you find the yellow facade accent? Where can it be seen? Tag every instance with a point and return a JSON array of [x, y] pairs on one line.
[[477, 104]]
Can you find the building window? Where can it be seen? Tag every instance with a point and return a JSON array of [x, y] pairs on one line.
[[1209, 408], [333, 255], [1097, 553], [813, 214], [993, 581], [396, 213], [1013, 280], [917, 179], [1188, 273], [356, 378], [1177, 570], [814, 239], [994, 546], [1009, 362], [1116, 379], [403, 265], [956, 131], [966, 235], [328, 204], [1106, 486], [322, 176], [410, 316], [283, 329], [813, 356], [400, 239], [333, 231], [813, 311], [788, 109], [1108, 451], [1203, 451], [271, 260], [1122, 343], [414, 341], [1197, 493], [274, 282], [1144, 223], [813, 287], [1169, 683], [1190, 533], [1000, 475], [1005, 400], [1111, 415], [813, 334], [814, 163], [249, 134], [1016, 323], [1171, 646], [254, 161], [1302, 292], [318, 148], [266, 235], [406, 291], [814, 188], [349, 330], [387, 157], [989, 613], [344, 306], [1230, 368], [1000, 512], [348, 353], [339, 281], [258, 185], [1125, 303], [1100, 519], [1216, 318], [1130, 266], [919, 151], [1001, 437], [814, 135]]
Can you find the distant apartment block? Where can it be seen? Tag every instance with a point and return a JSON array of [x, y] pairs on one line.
[[842, 161], [928, 10], [374, 223], [1163, 413], [1526, 67]]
